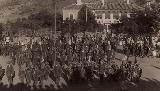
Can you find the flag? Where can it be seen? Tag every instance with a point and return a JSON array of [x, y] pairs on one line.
[[69, 41], [154, 53], [7, 39], [89, 60], [42, 59], [40, 43], [103, 37], [31, 44]]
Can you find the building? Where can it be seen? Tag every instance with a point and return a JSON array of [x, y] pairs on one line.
[[106, 11], [149, 2]]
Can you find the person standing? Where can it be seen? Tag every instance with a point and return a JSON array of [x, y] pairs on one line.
[[35, 76], [2, 73], [101, 71], [28, 76], [58, 73], [10, 73], [21, 74]]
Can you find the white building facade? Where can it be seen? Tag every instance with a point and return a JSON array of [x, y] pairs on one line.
[[105, 12]]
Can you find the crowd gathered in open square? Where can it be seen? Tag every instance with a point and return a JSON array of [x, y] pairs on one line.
[[76, 58]]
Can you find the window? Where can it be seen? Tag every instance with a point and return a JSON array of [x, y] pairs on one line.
[[99, 16], [71, 16], [124, 15], [120, 15], [109, 27], [107, 16], [149, 3], [116, 16], [128, 15], [111, 16]]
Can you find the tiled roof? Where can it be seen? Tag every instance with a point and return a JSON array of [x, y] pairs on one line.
[[108, 6], [73, 7], [106, 1], [119, 6], [149, 0], [90, 1]]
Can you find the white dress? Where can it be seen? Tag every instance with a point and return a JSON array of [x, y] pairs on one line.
[[7, 39], [154, 53]]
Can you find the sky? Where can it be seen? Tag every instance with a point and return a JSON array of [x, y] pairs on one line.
[[3, 1]]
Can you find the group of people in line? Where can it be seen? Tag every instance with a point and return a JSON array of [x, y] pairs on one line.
[[76, 59]]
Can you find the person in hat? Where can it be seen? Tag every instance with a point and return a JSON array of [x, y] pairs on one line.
[[137, 72], [58, 72], [35, 76], [101, 71], [2, 72], [89, 72], [21, 74], [10, 73], [28, 76]]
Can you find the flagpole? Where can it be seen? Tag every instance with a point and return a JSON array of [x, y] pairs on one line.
[[55, 27], [86, 20], [86, 15]]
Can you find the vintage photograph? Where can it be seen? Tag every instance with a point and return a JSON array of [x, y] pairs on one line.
[[79, 45]]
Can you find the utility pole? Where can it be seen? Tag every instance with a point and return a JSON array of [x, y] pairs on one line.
[[86, 19], [55, 28], [86, 14]]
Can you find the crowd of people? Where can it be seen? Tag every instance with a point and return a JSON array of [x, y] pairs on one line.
[[76, 59]]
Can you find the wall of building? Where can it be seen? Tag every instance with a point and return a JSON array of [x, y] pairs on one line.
[[100, 17], [67, 13], [110, 17]]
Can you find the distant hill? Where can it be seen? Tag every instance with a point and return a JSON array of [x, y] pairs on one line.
[[12, 9]]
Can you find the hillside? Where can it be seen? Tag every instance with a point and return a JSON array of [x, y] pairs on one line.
[[12, 9]]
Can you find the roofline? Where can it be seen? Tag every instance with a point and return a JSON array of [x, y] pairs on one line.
[[68, 6], [135, 7]]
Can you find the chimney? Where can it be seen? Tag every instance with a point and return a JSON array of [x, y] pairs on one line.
[[79, 2], [128, 2], [103, 2]]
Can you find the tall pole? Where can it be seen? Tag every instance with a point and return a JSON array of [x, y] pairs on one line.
[[86, 15], [55, 27], [86, 21]]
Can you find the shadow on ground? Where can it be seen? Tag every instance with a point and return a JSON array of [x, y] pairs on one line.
[[156, 67], [143, 85]]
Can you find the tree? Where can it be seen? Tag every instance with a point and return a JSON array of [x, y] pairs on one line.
[[1, 31], [141, 23], [45, 19], [86, 19], [42, 19], [69, 26]]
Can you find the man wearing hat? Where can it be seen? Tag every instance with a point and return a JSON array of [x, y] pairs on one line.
[[28, 76], [10, 73], [2, 72]]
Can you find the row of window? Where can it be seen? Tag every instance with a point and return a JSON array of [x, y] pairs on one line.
[[108, 16], [71, 16]]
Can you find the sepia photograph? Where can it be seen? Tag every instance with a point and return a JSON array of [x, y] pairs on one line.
[[79, 45]]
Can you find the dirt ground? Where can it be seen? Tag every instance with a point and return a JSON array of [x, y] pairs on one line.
[[150, 80]]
